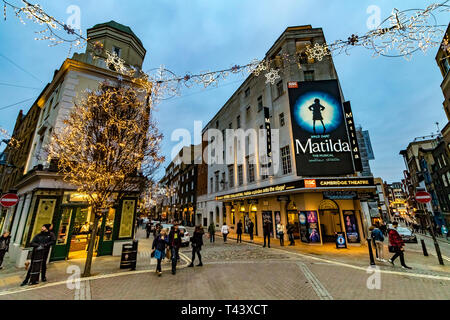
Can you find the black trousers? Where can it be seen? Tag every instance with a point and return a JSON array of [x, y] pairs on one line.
[[239, 237], [148, 234], [291, 238], [211, 237], [225, 237], [281, 235], [251, 236], [194, 251], [158, 265], [174, 252], [268, 239], [401, 254], [2, 255]]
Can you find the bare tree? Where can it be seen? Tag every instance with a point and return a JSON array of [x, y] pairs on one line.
[[108, 144]]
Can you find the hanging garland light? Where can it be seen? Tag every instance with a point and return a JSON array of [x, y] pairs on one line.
[[400, 35]]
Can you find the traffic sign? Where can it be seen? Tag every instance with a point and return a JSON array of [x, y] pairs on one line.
[[9, 200], [423, 197]]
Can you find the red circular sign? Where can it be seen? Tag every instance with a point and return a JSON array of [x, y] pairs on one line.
[[9, 200], [423, 197]]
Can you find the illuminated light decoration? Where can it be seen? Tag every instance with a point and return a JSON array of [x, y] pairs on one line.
[[272, 76], [400, 35]]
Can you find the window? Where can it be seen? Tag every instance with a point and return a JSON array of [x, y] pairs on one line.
[[230, 126], [247, 113], [217, 124], [240, 175], [231, 176], [282, 119], [286, 160], [444, 179], [280, 88], [445, 66], [117, 50], [247, 92], [217, 181], [309, 75], [223, 180], [448, 176], [260, 103], [251, 171], [443, 160], [211, 180], [238, 120]]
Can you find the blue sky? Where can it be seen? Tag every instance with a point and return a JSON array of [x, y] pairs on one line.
[[394, 99]]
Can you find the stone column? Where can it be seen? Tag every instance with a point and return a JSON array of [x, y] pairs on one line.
[[228, 212]]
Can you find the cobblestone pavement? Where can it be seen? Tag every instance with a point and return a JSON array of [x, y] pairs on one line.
[[248, 271]]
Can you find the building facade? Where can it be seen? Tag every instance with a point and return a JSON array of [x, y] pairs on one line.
[[43, 195], [260, 166]]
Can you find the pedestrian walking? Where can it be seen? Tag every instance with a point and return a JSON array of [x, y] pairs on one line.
[[290, 231], [39, 243], [397, 245], [148, 229], [225, 230], [159, 249], [378, 238], [280, 232], [197, 243], [239, 232], [251, 226], [266, 232], [51, 242], [4, 246], [212, 232], [175, 236]]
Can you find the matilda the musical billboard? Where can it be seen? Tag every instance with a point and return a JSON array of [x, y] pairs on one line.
[[321, 143]]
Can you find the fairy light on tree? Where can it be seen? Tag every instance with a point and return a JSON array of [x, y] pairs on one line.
[[106, 145]]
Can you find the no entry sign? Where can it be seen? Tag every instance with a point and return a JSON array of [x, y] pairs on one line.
[[423, 197], [9, 200]]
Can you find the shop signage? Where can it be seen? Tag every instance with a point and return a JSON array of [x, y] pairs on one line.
[[321, 141], [268, 135], [252, 201], [310, 183], [352, 135], [262, 191], [340, 240], [283, 198], [367, 182], [9, 200], [340, 195]]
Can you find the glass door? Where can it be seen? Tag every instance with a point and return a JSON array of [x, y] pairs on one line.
[[62, 245]]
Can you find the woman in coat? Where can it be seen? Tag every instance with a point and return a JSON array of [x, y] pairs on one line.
[[159, 249], [4, 246], [197, 242], [396, 242]]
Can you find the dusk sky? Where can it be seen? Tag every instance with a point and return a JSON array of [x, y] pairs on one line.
[[396, 100]]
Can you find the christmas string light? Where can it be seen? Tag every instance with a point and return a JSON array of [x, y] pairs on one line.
[[400, 35]]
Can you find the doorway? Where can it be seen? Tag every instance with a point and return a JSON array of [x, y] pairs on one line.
[[293, 219], [330, 220]]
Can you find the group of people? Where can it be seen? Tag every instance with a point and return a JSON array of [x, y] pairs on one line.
[[396, 244], [168, 243], [267, 230]]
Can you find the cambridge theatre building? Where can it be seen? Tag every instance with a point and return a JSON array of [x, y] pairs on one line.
[[311, 177]]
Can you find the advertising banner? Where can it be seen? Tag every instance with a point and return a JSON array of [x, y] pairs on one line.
[[309, 226], [268, 215], [351, 227], [340, 240], [321, 142]]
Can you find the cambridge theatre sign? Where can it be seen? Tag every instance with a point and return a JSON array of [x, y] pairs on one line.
[[305, 184], [323, 130]]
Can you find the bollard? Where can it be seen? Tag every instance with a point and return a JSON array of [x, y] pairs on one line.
[[424, 248], [369, 244]]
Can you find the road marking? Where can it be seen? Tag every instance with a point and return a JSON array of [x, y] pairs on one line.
[[342, 264], [84, 292], [317, 286]]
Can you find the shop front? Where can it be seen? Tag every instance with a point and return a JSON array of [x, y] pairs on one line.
[[318, 213], [73, 222]]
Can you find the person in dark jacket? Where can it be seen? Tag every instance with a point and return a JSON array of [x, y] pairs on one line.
[[251, 227], [41, 241], [239, 232], [148, 229], [266, 231], [175, 236], [51, 242], [159, 249], [197, 243], [290, 232], [212, 232], [396, 241], [4, 246]]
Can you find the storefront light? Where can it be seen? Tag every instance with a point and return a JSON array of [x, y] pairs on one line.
[[242, 208], [254, 208]]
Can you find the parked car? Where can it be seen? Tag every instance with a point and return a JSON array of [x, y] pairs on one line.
[[407, 235]]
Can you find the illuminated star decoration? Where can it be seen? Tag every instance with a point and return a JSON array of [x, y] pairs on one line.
[[272, 76]]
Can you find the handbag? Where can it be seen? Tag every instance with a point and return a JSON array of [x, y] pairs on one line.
[[152, 254], [391, 249]]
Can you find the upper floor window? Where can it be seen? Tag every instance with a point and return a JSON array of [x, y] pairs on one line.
[[117, 50], [309, 75], [231, 176], [248, 113], [247, 92], [240, 175], [282, 119], [286, 160], [280, 88], [260, 103], [238, 120]]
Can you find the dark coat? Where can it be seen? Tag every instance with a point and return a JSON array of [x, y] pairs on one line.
[[239, 228], [160, 244], [395, 239], [251, 225], [290, 229], [4, 243], [267, 228], [197, 240], [175, 243]]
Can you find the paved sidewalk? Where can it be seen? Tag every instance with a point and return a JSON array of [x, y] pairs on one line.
[[11, 277], [357, 255]]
